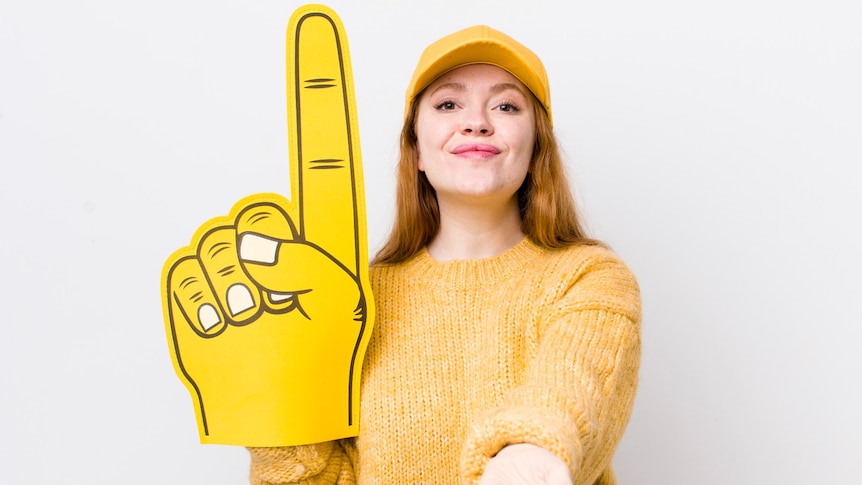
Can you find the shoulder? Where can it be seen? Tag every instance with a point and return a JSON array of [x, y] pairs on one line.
[[582, 260], [594, 278]]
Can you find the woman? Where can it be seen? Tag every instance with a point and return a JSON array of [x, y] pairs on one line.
[[506, 344]]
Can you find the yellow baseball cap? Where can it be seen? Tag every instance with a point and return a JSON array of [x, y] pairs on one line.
[[480, 44]]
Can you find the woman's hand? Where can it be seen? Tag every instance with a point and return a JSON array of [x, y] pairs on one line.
[[525, 464]]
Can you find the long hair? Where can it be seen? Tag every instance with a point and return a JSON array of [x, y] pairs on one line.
[[549, 217]]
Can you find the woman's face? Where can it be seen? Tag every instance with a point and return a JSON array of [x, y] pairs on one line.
[[475, 128]]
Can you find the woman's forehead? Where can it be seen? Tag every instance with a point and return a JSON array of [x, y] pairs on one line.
[[481, 76]]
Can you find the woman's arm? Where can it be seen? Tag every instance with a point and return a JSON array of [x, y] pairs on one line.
[[580, 384], [321, 463]]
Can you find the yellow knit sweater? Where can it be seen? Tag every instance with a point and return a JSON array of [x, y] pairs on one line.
[[537, 346]]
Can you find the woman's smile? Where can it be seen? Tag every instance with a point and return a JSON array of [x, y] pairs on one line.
[[476, 151]]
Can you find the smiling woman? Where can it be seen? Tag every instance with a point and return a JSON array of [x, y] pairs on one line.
[[475, 143], [507, 343]]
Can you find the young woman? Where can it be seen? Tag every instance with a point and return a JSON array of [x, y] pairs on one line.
[[506, 343]]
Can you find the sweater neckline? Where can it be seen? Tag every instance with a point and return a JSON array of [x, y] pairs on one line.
[[471, 273]]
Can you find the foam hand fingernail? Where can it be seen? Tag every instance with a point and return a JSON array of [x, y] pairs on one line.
[[239, 299], [208, 317], [254, 248], [280, 297]]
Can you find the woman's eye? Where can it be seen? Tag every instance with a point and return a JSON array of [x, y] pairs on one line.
[[507, 107], [445, 106]]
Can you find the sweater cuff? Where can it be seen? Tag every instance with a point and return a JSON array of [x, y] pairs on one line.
[[507, 426], [289, 464]]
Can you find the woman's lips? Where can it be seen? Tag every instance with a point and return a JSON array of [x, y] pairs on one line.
[[476, 150]]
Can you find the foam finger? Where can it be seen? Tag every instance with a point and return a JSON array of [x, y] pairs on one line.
[[237, 295], [324, 135], [191, 299], [267, 217], [266, 224]]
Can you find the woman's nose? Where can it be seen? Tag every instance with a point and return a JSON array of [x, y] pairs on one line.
[[476, 122]]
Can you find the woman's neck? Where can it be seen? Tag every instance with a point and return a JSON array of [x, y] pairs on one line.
[[476, 232]]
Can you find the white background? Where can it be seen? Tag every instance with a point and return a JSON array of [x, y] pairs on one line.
[[715, 145]]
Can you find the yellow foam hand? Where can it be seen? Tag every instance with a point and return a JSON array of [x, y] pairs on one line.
[[268, 311]]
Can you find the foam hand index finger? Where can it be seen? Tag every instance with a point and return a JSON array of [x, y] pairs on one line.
[[324, 140]]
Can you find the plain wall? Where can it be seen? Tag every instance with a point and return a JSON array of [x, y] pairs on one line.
[[714, 145]]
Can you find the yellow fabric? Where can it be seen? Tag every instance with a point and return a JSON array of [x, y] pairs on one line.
[[530, 346], [480, 44]]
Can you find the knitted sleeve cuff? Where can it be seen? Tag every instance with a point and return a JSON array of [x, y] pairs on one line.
[[290, 464], [511, 425]]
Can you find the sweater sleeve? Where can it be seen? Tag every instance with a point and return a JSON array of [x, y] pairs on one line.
[[579, 386], [325, 463]]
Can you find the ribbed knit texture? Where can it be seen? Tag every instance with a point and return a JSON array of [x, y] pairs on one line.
[[533, 346]]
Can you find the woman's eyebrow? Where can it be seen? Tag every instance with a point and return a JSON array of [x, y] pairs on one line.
[[452, 86], [499, 88], [495, 89]]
